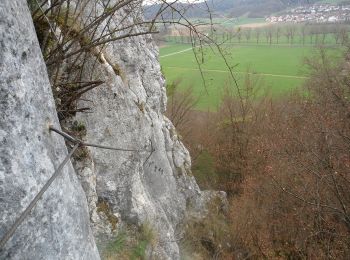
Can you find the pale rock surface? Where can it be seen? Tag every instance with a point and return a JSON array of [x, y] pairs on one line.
[[151, 184], [127, 112], [58, 227]]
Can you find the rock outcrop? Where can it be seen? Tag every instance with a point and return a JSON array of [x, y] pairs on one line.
[[152, 184], [147, 181], [58, 227]]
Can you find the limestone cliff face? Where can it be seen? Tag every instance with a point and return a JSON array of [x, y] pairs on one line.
[[149, 183], [58, 227], [127, 111]]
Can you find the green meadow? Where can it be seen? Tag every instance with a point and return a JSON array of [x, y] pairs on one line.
[[277, 69]]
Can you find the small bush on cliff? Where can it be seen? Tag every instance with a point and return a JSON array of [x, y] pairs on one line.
[[207, 237], [73, 36], [131, 243], [103, 207], [180, 103]]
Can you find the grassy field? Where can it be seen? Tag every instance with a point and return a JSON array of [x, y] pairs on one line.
[[277, 68]]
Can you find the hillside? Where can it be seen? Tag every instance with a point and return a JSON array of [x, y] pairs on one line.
[[251, 8]]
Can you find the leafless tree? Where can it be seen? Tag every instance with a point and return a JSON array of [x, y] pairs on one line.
[[290, 32], [269, 34], [257, 35], [239, 34], [247, 33], [287, 34], [278, 33], [303, 33], [180, 104]]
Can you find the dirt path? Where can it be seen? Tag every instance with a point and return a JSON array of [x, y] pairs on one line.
[[174, 53], [254, 25], [240, 72], [253, 44]]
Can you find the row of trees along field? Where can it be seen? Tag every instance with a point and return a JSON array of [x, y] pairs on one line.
[[275, 34], [284, 163]]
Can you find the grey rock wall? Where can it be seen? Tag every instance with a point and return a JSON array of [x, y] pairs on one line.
[[151, 184], [127, 112], [58, 227]]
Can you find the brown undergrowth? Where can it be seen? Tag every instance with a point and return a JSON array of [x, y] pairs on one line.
[[285, 166]]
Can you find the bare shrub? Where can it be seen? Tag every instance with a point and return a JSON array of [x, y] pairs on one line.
[[73, 35], [206, 238], [235, 124], [297, 206], [285, 164], [180, 104]]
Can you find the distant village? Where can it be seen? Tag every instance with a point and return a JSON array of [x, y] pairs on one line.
[[321, 13]]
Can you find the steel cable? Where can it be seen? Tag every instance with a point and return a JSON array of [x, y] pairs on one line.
[[75, 140], [32, 204], [26, 212]]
